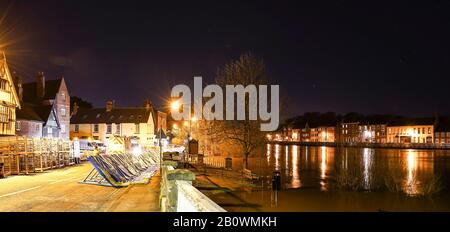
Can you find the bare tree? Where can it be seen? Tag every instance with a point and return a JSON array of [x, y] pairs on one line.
[[245, 134]]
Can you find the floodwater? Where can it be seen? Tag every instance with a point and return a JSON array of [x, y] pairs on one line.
[[346, 179]]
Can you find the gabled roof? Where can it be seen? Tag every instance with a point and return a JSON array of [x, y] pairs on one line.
[[116, 115], [34, 112], [27, 112], [51, 89], [10, 79]]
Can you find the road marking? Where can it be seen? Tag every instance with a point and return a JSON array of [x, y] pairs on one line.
[[21, 191]]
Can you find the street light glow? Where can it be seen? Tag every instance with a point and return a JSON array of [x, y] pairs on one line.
[[175, 105]]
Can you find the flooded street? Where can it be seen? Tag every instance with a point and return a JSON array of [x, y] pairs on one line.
[[347, 179]]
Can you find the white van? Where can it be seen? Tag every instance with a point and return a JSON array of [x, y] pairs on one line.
[[88, 146]]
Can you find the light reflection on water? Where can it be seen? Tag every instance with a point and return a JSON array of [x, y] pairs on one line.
[[323, 168], [295, 180], [317, 167]]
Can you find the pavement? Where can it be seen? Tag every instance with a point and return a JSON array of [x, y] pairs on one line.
[[59, 190]]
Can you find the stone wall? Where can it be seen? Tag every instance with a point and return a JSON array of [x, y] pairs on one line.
[[178, 194]]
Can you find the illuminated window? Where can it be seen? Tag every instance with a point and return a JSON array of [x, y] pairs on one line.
[[63, 111], [136, 128]]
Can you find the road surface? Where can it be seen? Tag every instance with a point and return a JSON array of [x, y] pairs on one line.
[[59, 191]]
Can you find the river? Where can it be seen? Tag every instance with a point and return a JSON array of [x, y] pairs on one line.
[[346, 179]]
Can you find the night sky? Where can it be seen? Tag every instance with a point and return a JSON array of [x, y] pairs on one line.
[[340, 57]]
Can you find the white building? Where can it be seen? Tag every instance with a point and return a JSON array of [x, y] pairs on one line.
[[107, 124]]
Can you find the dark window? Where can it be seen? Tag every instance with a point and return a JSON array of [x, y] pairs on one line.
[[108, 128]]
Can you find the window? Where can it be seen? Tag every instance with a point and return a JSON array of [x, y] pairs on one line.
[[18, 126], [95, 128], [49, 130], [38, 127], [108, 128], [4, 85], [117, 128], [63, 128], [4, 114], [63, 96], [77, 128], [136, 126], [429, 130], [63, 111]]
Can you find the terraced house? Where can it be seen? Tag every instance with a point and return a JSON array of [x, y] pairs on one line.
[[112, 122]]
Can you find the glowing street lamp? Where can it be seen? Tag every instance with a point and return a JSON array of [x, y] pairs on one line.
[[175, 105]]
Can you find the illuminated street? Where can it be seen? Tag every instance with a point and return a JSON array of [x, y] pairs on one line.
[[59, 190]]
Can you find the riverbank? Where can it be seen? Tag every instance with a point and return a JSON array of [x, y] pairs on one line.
[[423, 146]]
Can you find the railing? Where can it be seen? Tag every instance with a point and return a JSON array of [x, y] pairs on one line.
[[208, 161], [214, 161]]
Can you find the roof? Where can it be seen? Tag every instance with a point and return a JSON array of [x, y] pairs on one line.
[[443, 125], [34, 112], [161, 134], [116, 115], [4, 63], [412, 121], [51, 89]]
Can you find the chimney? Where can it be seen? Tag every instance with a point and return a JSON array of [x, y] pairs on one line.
[[40, 85], [109, 106], [148, 104], [19, 88], [75, 109]]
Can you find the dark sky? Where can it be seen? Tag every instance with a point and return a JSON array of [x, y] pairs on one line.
[[377, 58]]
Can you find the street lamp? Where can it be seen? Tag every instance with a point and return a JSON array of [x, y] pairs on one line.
[[175, 105]]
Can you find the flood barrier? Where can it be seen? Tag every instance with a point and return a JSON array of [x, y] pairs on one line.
[[120, 170]]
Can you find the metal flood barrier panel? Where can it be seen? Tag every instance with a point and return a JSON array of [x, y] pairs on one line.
[[121, 170]]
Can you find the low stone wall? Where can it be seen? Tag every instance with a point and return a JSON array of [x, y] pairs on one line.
[[178, 194]]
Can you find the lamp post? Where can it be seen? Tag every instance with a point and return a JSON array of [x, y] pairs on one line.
[[175, 105]]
